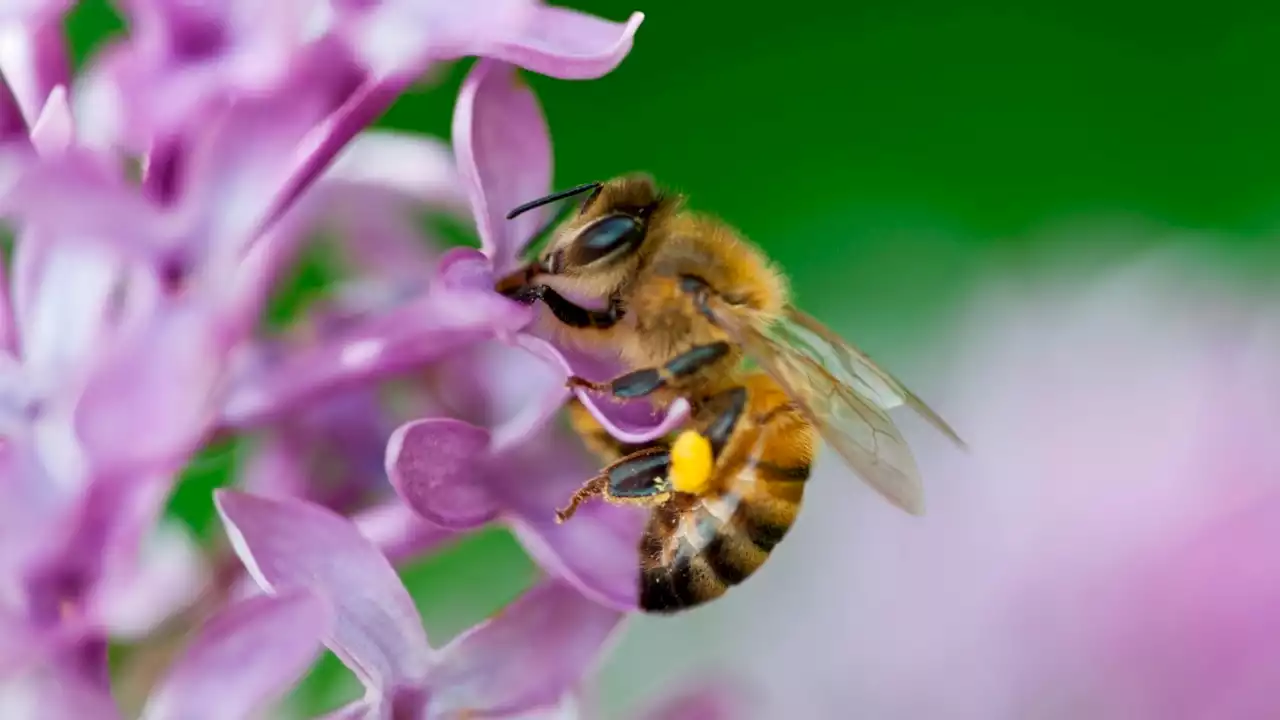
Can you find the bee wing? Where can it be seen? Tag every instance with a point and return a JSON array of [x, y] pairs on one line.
[[844, 393], [858, 370]]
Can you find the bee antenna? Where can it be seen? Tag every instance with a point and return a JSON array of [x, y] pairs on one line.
[[593, 187]]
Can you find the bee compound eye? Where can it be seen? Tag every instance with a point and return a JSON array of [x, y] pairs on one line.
[[607, 237]]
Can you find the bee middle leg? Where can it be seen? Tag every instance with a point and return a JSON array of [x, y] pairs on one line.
[[641, 383]]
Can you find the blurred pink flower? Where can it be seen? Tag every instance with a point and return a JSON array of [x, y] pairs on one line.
[[1103, 552], [130, 313], [526, 658], [243, 658]]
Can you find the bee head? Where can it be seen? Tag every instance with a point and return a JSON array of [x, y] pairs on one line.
[[597, 249]]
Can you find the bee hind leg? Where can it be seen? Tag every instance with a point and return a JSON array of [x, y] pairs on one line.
[[637, 479], [596, 486]]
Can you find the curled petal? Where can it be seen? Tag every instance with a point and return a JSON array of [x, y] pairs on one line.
[[569, 44], [503, 149], [245, 657], [635, 423], [433, 465], [289, 544], [632, 422], [528, 657]]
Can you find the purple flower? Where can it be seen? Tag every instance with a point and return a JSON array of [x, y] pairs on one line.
[[461, 475], [242, 659], [504, 157], [459, 307], [526, 658], [129, 315], [77, 510]]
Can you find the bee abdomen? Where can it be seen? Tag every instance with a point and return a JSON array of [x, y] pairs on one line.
[[680, 572], [783, 473], [731, 558]]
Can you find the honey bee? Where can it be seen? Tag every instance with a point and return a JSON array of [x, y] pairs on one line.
[[684, 300]]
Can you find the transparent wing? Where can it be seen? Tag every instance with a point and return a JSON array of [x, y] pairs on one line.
[[844, 393], [852, 367]]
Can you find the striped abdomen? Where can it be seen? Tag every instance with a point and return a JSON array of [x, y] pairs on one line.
[[696, 548]]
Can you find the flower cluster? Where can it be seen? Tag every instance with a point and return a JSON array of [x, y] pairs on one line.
[[157, 199]]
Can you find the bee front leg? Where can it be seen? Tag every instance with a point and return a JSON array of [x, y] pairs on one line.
[[576, 316], [641, 383]]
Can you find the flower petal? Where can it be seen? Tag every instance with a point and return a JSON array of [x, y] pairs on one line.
[[417, 332], [569, 44], [417, 168], [598, 551], [70, 199], [13, 127], [400, 532], [464, 268], [289, 543], [33, 58], [503, 149], [433, 465], [61, 295], [170, 375], [54, 692], [167, 577], [359, 710], [401, 37], [245, 657], [53, 132], [527, 657], [538, 387], [632, 421], [238, 168]]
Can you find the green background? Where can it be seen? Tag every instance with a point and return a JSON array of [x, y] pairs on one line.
[[891, 154]]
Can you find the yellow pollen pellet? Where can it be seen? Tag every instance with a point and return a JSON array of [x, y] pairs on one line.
[[691, 463]]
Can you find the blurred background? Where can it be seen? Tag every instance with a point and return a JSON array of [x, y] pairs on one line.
[[893, 156]]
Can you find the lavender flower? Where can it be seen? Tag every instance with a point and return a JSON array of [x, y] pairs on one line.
[[128, 322], [526, 658], [460, 475]]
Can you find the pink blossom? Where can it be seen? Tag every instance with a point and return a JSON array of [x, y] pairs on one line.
[[526, 658]]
